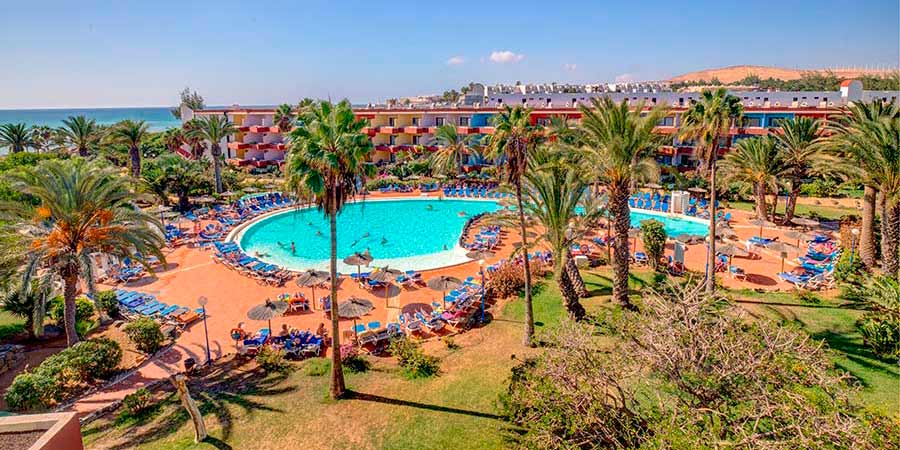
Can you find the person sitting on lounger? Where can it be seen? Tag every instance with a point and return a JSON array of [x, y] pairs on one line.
[[285, 331], [320, 331]]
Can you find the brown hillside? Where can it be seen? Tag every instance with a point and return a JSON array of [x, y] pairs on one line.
[[735, 73]]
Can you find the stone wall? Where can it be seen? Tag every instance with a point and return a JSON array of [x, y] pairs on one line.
[[10, 356]]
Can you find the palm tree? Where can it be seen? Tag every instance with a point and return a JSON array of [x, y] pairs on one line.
[[16, 137], [561, 130], [43, 138], [327, 159], [213, 129], [755, 161], [452, 150], [130, 134], [82, 133], [84, 209], [708, 121], [553, 189], [28, 302], [513, 139], [801, 149], [617, 145], [174, 174], [863, 134], [284, 118]]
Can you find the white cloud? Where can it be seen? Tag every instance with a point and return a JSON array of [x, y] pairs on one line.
[[455, 61], [624, 78], [506, 56], [571, 67]]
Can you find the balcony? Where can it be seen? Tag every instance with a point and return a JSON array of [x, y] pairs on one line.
[[416, 130], [260, 129], [387, 129], [467, 130], [238, 145]]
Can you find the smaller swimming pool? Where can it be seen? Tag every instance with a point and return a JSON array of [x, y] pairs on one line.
[[674, 224]]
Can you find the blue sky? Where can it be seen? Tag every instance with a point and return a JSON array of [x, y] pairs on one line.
[[142, 53]]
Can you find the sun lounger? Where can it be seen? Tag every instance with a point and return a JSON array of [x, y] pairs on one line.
[[258, 339]]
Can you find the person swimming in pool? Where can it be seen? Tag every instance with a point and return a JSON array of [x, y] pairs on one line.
[[318, 232], [384, 240], [293, 248], [462, 214], [429, 207]]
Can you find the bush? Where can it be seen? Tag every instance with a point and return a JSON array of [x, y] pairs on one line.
[[107, 302], [653, 234], [450, 343], [847, 272], [64, 373], [508, 280], [272, 359], [880, 326], [138, 401], [352, 360], [316, 367], [415, 363], [84, 309], [146, 334], [820, 188]]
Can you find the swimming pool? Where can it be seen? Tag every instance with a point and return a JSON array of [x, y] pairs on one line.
[[412, 233], [673, 224]]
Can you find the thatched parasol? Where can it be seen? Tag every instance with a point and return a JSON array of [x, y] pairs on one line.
[[359, 259], [782, 248], [804, 222], [443, 283], [761, 223], [267, 311], [312, 278]]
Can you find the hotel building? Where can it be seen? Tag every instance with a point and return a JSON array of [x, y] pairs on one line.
[[260, 143]]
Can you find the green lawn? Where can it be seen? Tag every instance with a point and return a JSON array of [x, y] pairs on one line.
[[830, 320], [830, 212], [10, 325], [458, 408]]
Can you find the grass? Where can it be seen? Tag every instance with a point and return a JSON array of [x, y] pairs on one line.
[[831, 321], [458, 408], [10, 326], [825, 211]]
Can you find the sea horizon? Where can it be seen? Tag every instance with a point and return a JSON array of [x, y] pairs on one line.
[[158, 118]]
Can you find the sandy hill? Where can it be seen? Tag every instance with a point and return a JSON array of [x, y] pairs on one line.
[[735, 73]]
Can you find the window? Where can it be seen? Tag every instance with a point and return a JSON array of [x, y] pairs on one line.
[[415, 121], [392, 121], [775, 121], [393, 138], [463, 121], [751, 122], [542, 121], [666, 122], [415, 140], [439, 121]]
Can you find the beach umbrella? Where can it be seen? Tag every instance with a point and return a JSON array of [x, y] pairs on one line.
[[782, 248], [413, 177], [697, 190], [312, 278], [484, 254], [228, 194], [267, 311], [725, 233], [798, 235], [385, 275], [761, 223], [204, 199], [440, 176], [731, 250], [633, 234], [804, 222], [250, 189], [354, 308], [443, 283], [358, 259], [652, 186]]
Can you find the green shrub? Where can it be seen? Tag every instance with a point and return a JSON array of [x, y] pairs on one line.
[[415, 363], [880, 326], [847, 272], [146, 334], [84, 309], [107, 302], [450, 343], [352, 360], [64, 373], [653, 234], [138, 401], [272, 359], [316, 367], [507, 281], [820, 188]]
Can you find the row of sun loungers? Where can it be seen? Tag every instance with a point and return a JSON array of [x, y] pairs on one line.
[[229, 254], [139, 304], [816, 267], [655, 203], [474, 193]]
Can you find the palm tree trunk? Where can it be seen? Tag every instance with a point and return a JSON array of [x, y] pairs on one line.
[[891, 240], [618, 201], [135, 161], [867, 233], [529, 311], [575, 277], [216, 169], [570, 297], [70, 279], [337, 371], [711, 253], [775, 204], [791, 204], [761, 210]]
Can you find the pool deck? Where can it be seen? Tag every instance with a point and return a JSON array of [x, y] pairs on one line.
[[191, 273]]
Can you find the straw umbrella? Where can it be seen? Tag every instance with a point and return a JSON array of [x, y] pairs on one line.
[[354, 308], [633, 233], [731, 250], [798, 235], [386, 275], [761, 223], [358, 259], [804, 222], [782, 248], [312, 278], [443, 283], [267, 311]]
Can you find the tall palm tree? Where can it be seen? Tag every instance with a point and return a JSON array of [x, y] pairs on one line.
[[513, 139], [560, 129], [327, 160], [554, 188], [213, 129], [16, 137], [43, 138], [28, 302], [862, 134], [707, 122], [618, 143], [800, 145], [755, 161], [82, 133], [452, 150], [130, 133], [284, 118], [84, 209]]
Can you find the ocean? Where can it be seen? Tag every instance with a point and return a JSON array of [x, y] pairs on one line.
[[157, 119]]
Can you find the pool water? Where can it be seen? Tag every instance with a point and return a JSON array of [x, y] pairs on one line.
[[406, 234]]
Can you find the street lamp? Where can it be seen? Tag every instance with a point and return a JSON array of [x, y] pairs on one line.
[[854, 232], [481, 272], [202, 301]]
